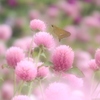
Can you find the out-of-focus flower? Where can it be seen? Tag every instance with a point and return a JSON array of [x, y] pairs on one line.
[[97, 57], [2, 48], [62, 58], [77, 95], [52, 11], [33, 14], [43, 72], [73, 31], [14, 55], [82, 35], [93, 65], [5, 32], [57, 91], [21, 97], [37, 24], [25, 43], [26, 70], [73, 81], [91, 22], [44, 39], [7, 91]]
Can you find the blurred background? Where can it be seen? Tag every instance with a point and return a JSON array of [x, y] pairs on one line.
[[80, 17]]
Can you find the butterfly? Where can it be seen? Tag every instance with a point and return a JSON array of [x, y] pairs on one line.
[[61, 33]]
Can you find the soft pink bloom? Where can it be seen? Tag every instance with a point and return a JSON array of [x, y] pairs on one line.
[[43, 72], [7, 91], [73, 31], [73, 80], [14, 55], [25, 43], [52, 11], [34, 14], [57, 91], [2, 48], [37, 24], [77, 95], [92, 21], [97, 57], [5, 32], [45, 39], [93, 65], [62, 58], [21, 97], [83, 34], [26, 70]]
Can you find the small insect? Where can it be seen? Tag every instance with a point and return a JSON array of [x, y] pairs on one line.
[[61, 33]]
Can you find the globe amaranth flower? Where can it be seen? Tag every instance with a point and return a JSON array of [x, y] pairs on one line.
[[26, 70], [97, 57], [93, 65], [5, 32], [45, 39], [37, 24], [14, 55], [43, 71], [56, 91], [21, 97], [62, 58]]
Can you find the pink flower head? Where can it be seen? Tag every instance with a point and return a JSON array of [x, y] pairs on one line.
[[7, 91], [26, 70], [21, 97], [25, 43], [74, 81], [5, 32], [57, 91], [97, 57], [43, 72], [45, 39], [62, 58], [37, 24], [14, 55], [93, 65]]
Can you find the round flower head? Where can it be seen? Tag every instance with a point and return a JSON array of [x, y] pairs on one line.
[[37, 24], [62, 58], [26, 70], [5, 32], [7, 91], [97, 57], [73, 80], [21, 97], [56, 91], [25, 43], [45, 39], [14, 55], [93, 65], [43, 71]]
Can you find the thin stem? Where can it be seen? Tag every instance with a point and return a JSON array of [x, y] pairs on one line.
[[37, 59], [14, 84], [30, 88], [41, 89], [60, 75], [30, 48], [96, 87], [20, 87]]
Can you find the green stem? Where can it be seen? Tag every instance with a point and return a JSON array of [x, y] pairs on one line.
[[30, 88], [20, 87], [14, 84], [30, 48], [41, 89], [37, 59]]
